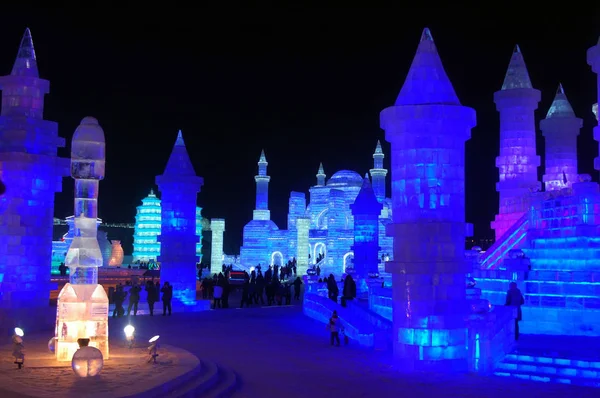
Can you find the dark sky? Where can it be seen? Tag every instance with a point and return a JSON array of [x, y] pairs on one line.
[[305, 85]]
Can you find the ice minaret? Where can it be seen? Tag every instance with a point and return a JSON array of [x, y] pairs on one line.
[[321, 176], [378, 173], [179, 186], [366, 209], [593, 59], [518, 162], [217, 226], [83, 302], [427, 129], [32, 173], [560, 129], [262, 190]]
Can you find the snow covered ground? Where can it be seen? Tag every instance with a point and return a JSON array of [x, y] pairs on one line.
[[277, 351]]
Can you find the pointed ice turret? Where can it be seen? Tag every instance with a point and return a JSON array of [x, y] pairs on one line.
[[427, 81], [378, 173], [366, 200], [560, 130], [516, 75], [263, 158], [518, 161], [560, 106], [179, 163], [26, 63], [321, 175], [366, 209]]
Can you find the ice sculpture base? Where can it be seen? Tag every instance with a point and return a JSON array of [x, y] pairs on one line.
[[81, 312]]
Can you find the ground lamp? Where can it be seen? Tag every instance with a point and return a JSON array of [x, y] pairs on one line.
[[153, 349], [87, 361], [129, 331], [18, 347]]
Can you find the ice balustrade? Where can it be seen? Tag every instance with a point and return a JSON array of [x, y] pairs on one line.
[[492, 258]]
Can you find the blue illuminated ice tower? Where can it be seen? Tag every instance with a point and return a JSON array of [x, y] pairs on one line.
[[378, 173], [560, 129], [518, 161], [593, 59], [261, 211], [427, 128], [179, 186], [33, 173], [366, 210]]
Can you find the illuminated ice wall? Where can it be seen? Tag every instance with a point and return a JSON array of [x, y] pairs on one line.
[[146, 246], [32, 173], [560, 129], [518, 162], [217, 226], [179, 186], [366, 209], [337, 221], [427, 128], [303, 224], [593, 59]]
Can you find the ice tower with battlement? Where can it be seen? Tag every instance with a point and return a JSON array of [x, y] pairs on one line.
[[327, 218], [32, 173], [518, 161], [179, 186]]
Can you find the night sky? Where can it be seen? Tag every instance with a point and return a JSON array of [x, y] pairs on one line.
[[307, 86]]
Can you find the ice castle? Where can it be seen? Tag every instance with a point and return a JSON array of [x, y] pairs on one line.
[[323, 228], [146, 246]]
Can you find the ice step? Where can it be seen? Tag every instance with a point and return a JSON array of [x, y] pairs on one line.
[[196, 386], [533, 376], [225, 386]]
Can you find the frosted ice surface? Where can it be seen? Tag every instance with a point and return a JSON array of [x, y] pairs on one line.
[[560, 106], [517, 75]]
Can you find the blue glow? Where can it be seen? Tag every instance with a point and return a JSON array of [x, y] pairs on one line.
[[179, 187], [366, 210], [148, 221], [32, 173], [331, 227]]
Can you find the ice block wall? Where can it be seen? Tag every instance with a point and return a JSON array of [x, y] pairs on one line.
[[427, 128], [217, 226], [302, 223], [378, 173], [336, 220], [593, 59], [518, 161], [179, 186], [560, 129], [297, 208], [366, 209], [32, 173]]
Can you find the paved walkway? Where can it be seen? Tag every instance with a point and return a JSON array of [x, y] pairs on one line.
[[278, 351]]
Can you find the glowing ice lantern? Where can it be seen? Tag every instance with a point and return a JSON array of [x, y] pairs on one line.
[[87, 361], [153, 349], [129, 331], [18, 347]]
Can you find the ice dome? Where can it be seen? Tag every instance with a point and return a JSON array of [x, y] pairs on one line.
[[346, 177], [89, 131]]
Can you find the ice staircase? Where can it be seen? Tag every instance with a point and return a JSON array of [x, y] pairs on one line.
[[513, 238], [207, 380], [552, 359]]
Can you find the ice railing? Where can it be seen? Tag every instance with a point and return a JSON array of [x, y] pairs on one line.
[[493, 257]]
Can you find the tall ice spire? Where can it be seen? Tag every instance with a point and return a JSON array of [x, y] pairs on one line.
[[26, 63], [179, 163], [518, 161], [378, 173], [427, 81], [560, 129], [262, 189], [321, 175]]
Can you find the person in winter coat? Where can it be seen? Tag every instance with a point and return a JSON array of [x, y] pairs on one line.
[[334, 328], [297, 284], [167, 296], [349, 292], [514, 298], [151, 290]]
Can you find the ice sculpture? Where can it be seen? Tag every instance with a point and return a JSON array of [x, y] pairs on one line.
[[321, 176], [518, 162], [378, 173], [179, 186], [366, 209], [32, 171], [146, 246], [217, 226], [593, 59], [82, 309], [427, 129], [87, 362], [117, 254], [302, 225], [560, 129]]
